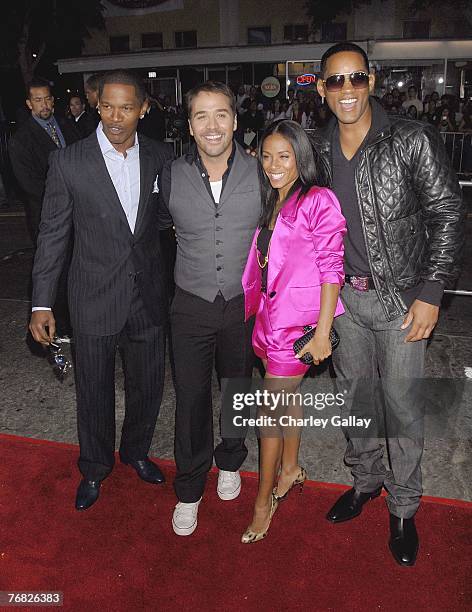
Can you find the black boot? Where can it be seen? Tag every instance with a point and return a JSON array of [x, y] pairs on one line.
[[403, 540], [350, 504]]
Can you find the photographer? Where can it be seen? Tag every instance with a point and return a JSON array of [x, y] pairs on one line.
[[446, 123]]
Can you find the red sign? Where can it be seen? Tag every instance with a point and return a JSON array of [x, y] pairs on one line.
[[306, 79]]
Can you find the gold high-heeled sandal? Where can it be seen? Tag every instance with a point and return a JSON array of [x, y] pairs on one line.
[[249, 536], [298, 482]]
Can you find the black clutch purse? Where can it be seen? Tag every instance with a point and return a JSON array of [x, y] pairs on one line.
[[307, 358]]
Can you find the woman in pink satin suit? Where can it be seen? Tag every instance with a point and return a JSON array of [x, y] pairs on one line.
[[292, 279]]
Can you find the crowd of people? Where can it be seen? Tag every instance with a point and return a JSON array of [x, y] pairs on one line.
[[305, 107], [445, 112], [273, 252], [167, 120]]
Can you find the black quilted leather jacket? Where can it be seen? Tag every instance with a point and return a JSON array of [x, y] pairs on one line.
[[410, 204]]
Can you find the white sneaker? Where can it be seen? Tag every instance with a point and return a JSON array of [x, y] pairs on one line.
[[184, 519], [229, 485]]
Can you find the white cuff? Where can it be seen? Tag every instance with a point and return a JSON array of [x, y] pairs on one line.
[[39, 308]]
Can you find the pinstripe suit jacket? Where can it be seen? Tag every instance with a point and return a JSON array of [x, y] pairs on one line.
[[107, 256]]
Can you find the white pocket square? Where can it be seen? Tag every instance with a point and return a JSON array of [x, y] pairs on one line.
[[155, 189]]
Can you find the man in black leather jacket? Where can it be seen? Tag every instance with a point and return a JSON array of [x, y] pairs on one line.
[[404, 213]]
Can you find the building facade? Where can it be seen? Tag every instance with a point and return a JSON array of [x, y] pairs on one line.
[[178, 43]]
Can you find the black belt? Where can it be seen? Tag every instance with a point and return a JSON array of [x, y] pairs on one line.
[[361, 283]]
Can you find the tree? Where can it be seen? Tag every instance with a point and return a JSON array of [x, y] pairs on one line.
[[462, 9], [32, 30], [325, 11], [418, 5]]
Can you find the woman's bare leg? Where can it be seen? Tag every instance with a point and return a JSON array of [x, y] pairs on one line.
[[272, 452], [289, 467]]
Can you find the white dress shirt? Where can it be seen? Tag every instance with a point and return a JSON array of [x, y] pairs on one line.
[[124, 173], [125, 176]]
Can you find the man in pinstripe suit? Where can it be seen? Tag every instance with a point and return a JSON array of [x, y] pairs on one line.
[[106, 188]]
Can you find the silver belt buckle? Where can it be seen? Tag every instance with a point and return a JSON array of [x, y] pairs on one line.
[[361, 283]]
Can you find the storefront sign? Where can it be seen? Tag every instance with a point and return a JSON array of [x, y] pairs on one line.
[[121, 8], [306, 79], [270, 87]]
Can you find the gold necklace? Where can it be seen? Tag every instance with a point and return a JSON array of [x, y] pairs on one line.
[[266, 258]]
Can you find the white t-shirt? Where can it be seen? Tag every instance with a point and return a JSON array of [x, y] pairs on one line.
[[216, 187], [415, 102]]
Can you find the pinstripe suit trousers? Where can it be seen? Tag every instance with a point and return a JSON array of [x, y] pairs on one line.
[[141, 345]]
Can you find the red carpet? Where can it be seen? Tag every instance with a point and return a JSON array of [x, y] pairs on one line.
[[122, 554]]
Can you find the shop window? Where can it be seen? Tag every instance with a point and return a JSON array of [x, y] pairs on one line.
[[119, 44], [333, 31], [416, 29], [296, 33], [151, 40], [186, 39], [259, 36]]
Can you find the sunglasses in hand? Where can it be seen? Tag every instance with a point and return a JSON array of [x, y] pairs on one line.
[[61, 365]]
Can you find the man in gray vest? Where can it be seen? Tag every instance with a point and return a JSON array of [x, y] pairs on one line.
[[211, 196]]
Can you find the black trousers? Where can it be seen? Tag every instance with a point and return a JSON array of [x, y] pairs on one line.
[[205, 335], [141, 345], [33, 207]]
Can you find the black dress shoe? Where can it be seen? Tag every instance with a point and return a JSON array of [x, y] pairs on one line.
[[146, 470], [87, 493], [349, 505], [403, 540]]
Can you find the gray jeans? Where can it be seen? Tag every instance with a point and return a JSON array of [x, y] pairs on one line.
[[380, 376]]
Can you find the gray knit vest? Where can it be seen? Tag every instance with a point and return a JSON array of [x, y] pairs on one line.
[[213, 241]]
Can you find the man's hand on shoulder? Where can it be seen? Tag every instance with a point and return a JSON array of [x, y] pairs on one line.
[[40, 320], [421, 318]]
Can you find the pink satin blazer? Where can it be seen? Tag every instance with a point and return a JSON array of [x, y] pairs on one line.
[[306, 250]]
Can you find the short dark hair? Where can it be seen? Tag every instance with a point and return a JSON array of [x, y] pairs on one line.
[[210, 87], [343, 47], [37, 82], [93, 81], [77, 95], [123, 77], [304, 157]]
